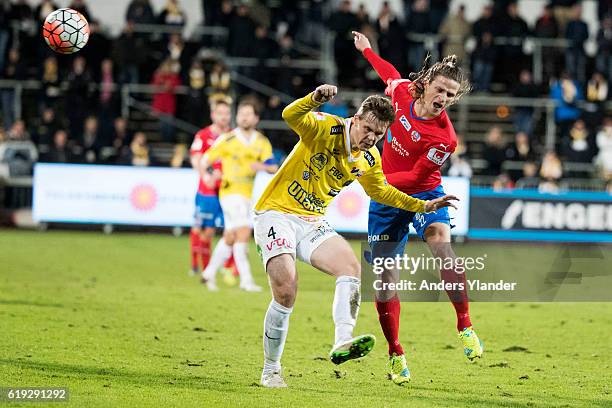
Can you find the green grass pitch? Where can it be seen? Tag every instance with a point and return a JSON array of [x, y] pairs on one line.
[[117, 320]]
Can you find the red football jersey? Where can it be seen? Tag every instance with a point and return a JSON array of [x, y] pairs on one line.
[[201, 143], [414, 148]]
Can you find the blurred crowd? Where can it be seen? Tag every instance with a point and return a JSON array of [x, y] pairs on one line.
[[73, 112]]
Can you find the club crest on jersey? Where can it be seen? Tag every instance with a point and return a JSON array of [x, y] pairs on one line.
[[305, 175], [405, 123], [437, 156], [336, 130], [415, 136], [357, 172], [319, 160], [333, 192], [368, 156]]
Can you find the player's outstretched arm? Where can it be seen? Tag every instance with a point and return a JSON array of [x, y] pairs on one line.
[[441, 202], [298, 113], [386, 71]]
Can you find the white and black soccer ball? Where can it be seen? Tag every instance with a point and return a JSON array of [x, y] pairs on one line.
[[66, 31]]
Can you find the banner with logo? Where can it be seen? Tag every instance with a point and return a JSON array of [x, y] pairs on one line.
[[533, 216], [114, 194]]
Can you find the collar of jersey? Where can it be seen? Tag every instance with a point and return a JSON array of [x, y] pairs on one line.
[[347, 141], [238, 132]]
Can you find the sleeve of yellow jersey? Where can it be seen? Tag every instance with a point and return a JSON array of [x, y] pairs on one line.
[[266, 153], [375, 185], [299, 116], [216, 151]]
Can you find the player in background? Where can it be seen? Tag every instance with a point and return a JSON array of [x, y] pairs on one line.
[[417, 144], [208, 215], [242, 152], [289, 223]]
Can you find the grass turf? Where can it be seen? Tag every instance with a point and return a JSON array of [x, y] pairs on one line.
[[117, 320]]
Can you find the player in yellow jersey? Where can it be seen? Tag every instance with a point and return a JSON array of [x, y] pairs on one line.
[[332, 153], [242, 152]]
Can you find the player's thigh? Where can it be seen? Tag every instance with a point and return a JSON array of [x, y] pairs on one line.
[[438, 238], [275, 234], [236, 211], [336, 257], [207, 233], [243, 234]]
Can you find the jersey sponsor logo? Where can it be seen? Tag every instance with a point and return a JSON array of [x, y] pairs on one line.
[[333, 192], [415, 136], [305, 175], [278, 243], [321, 231], [405, 122], [334, 172], [397, 108], [309, 201], [378, 238], [336, 130], [397, 146], [437, 156], [319, 160], [368, 156], [357, 172], [444, 146]]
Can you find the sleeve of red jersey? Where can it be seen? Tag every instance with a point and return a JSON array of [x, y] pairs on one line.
[[404, 180], [386, 71]]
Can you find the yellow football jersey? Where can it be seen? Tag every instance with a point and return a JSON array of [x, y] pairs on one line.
[[237, 153], [321, 164]]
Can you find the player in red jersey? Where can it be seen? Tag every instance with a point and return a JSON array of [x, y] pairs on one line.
[[208, 214], [416, 145]]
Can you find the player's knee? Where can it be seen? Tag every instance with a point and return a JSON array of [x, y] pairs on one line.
[[437, 234], [229, 237]]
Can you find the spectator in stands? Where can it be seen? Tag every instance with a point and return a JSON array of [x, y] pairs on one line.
[[264, 48], [44, 9], [50, 91], [129, 53], [45, 128], [551, 172], [78, 95], [362, 15], [604, 144], [566, 92], [502, 182], [418, 23], [530, 177], [140, 12], [603, 59], [172, 14], [5, 30], [241, 33], [523, 115], [88, 141], [460, 167], [196, 108], [455, 29], [342, 22], [219, 80], [438, 10], [495, 151], [521, 149], [108, 104], [177, 55], [226, 15], [484, 24], [60, 151], [576, 32], [515, 29], [164, 100], [597, 88], [179, 157], [98, 49], [81, 7], [14, 70], [121, 141], [138, 154], [547, 27], [483, 59], [18, 131], [391, 38], [579, 147]]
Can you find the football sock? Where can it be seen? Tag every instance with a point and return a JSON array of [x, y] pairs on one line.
[[242, 263], [194, 244], [205, 252], [388, 316], [276, 325], [220, 254], [459, 298], [346, 307]]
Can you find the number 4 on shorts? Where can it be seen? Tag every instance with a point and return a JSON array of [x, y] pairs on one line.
[[271, 233]]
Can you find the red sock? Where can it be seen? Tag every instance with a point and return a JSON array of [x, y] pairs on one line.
[[388, 316], [459, 298], [194, 241], [231, 264], [205, 252]]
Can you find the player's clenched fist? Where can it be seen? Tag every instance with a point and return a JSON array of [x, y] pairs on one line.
[[361, 41], [324, 93], [436, 204]]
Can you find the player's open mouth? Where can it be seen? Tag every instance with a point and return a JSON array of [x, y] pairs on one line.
[[437, 105]]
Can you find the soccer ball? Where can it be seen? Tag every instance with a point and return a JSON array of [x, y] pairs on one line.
[[66, 31]]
